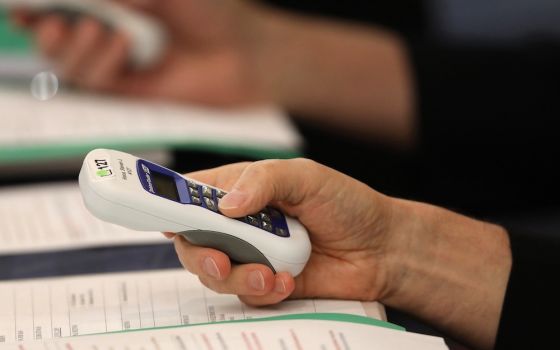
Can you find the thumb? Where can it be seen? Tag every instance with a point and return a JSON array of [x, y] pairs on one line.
[[267, 181]]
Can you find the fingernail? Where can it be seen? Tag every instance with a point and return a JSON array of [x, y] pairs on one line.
[[209, 266], [280, 286], [233, 199], [256, 280], [169, 235]]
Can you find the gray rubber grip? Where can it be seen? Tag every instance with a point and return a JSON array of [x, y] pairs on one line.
[[238, 250]]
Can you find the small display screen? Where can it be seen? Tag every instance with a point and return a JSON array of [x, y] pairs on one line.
[[165, 186]]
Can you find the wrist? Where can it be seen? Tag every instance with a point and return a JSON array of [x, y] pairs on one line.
[[449, 270]]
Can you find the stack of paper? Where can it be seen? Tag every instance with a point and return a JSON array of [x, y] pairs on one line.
[[71, 124], [50, 217], [276, 334], [172, 310], [40, 309]]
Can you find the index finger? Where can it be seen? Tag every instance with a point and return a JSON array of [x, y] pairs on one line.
[[222, 177]]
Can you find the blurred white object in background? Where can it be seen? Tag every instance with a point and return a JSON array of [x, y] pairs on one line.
[[44, 86]]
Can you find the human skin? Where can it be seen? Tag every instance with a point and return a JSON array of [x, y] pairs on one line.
[[442, 267], [230, 53]]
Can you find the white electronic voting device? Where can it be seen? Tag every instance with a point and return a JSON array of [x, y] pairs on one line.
[[147, 36], [120, 188]]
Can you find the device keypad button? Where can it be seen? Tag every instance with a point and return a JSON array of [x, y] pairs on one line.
[[192, 184], [267, 226], [281, 232], [210, 204], [253, 220], [268, 219], [207, 191], [264, 217]]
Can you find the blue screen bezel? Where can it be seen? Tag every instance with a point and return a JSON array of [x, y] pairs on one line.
[[145, 177], [145, 168]]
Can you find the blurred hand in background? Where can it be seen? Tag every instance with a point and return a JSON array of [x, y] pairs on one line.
[[229, 52], [208, 60]]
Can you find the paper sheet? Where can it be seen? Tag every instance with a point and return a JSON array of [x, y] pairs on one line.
[[53, 217], [41, 309], [20, 66], [275, 335], [71, 124]]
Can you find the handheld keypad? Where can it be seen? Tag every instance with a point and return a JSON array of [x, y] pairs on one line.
[[120, 188], [269, 219], [190, 192]]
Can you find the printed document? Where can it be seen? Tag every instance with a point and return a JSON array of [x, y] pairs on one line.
[[294, 334], [41, 218], [70, 124], [40, 309]]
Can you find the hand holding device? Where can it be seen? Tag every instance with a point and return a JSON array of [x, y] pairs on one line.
[[120, 188], [348, 224], [146, 35]]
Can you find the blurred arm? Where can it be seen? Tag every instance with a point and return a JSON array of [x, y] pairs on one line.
[[353, 77]]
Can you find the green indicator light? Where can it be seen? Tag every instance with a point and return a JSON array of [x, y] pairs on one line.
[[104, 173]]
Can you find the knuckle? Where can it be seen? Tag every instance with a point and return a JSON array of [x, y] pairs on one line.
[[188, 265], [89, 25], [260, 171], [271, 166], [95, 82], [301, 287], [241, 165], [304, 162], [209, 283], [260, 167], [251, 301], [185, 263], [267, 168], [204, 281], [215, 285]]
